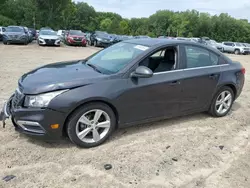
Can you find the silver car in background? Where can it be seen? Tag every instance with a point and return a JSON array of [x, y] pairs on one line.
[[15, 34], [48, 37], [235, 47]]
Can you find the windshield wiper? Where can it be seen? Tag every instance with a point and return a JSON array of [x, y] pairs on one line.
[[94, 67]]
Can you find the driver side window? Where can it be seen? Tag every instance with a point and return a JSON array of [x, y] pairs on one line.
[[162, 60]]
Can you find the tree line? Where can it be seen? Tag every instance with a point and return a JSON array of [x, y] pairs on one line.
[[66, 14]]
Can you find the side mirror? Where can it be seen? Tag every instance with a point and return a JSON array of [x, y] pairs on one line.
[[142, 72]]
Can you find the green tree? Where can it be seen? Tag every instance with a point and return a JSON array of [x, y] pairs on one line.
[[106, 24]]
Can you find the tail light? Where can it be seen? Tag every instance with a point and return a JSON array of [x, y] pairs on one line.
[[243, 70]]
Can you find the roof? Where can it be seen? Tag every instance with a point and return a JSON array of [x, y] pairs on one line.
[[151, 42], [156, 41]]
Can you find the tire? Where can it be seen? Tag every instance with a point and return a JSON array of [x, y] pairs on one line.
[[26, 42], [5, 42], [74, 127], [237, 52], [216, 104]]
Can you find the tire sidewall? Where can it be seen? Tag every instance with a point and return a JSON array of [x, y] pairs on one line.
[[213, 105], [72, 123]]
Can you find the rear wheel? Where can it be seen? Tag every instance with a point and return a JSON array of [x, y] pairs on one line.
[[91, 125], [222, 102]]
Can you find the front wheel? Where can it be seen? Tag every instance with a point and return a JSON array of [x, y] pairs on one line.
[[222, 102], [91, 125], [237, 52]]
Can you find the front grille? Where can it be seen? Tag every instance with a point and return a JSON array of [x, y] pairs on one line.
[[17, 99], [77, 39], [50, 41]]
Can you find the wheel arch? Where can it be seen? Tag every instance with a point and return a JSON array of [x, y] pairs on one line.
[[88, 102], [230, 85]]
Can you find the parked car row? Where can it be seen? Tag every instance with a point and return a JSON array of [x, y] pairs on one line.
[[227, 47], [47, 36]]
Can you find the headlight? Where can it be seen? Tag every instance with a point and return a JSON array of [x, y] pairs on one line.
[[41, 100], [41, 38], [98, 38]]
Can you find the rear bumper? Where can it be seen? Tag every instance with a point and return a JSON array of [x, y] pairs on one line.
[[35, 122]]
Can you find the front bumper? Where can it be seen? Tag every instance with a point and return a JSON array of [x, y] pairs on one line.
[[104, 44], [35, 122], [22, 40], [245, 52], [77, 43], [49, 42]]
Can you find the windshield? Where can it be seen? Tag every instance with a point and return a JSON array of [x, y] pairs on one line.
[[14, 29], [111, 60], [47, 32], [75, 32], [213, 42], [238, 44], [102, 34]]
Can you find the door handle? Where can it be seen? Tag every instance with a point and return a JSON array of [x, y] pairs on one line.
[[213, 76], [175, 83]]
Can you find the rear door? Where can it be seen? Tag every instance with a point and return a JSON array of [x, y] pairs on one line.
[[201, 74]]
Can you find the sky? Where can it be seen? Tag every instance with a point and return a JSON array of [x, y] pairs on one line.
[[144, 8]]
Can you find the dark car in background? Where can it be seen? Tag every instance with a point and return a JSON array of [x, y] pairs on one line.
[[100, 39], [2, 30], [76, 38], [15, 34], [33, 33], [131, 82]]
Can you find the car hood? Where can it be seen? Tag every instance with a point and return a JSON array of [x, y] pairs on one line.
[[103, 37], [49, 36], [14, 33], [56, 76], [76, 36]]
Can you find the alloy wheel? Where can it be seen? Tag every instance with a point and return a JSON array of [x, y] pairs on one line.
[[223, 102], [93, 125]]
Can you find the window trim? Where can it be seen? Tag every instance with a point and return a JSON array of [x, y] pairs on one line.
[[195, 68], [203, 48], [177, 56]]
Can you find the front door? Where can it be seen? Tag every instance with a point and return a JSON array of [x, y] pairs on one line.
[[154, 97], [200, 78]]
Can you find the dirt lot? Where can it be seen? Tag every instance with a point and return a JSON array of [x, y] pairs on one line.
[[141, 156]]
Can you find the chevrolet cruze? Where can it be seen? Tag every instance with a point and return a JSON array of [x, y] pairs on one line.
[[131, 82]]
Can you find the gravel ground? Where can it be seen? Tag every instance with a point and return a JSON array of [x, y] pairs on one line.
[[192, 151]]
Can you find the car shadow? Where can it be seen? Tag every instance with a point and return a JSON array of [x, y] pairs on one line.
[[123, 132]]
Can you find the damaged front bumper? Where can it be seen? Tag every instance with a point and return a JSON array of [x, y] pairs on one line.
[[34, 122], [5, 113]]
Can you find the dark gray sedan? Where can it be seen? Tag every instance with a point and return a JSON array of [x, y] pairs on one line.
[[131, 82], [15, 34]]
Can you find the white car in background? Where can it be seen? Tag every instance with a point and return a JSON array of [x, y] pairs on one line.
[[48, 37], [235, 47]]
